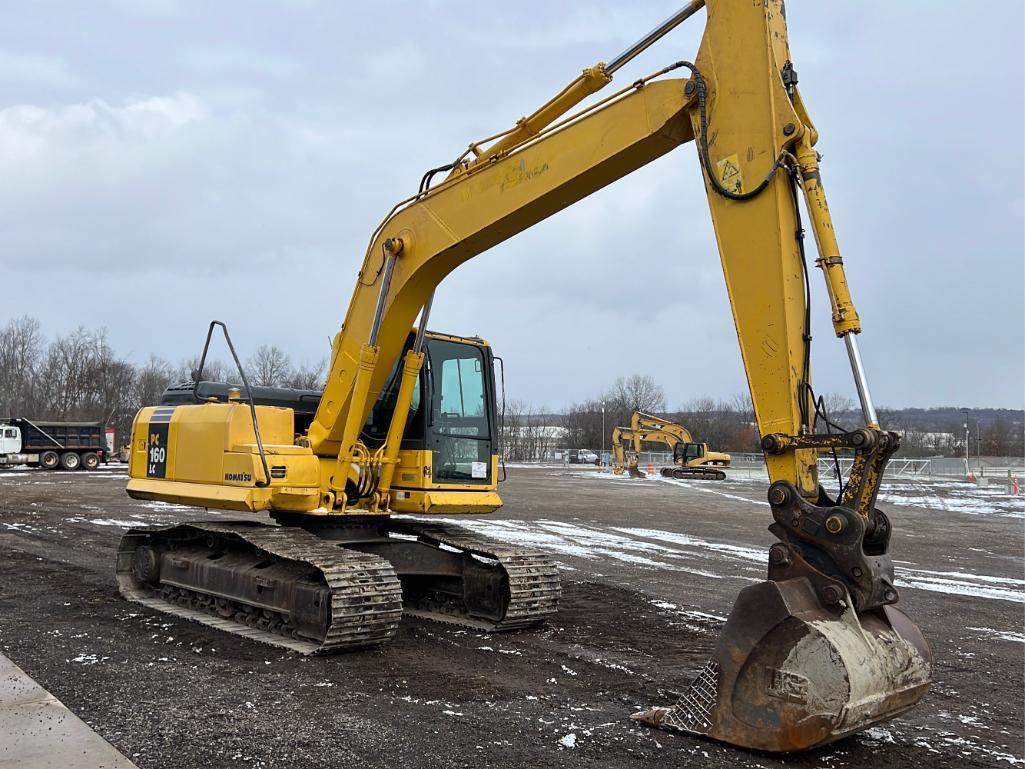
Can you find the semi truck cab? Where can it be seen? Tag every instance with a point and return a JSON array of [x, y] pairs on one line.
[[10, 440]]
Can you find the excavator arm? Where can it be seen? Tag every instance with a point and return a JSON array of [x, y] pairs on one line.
[[641, 422], [830, 591]]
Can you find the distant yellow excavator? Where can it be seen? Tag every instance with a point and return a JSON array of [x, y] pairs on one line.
[[690, 459], [406, 422]]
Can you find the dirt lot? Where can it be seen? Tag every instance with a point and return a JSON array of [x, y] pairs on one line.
[[650, 569]]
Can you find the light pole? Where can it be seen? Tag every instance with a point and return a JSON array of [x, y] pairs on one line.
[[967, 468], [978, 447], [602, 463]]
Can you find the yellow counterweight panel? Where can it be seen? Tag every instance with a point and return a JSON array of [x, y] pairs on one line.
[[206, 455]]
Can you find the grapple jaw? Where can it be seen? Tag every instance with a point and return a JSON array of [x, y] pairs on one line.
[[790, 674]]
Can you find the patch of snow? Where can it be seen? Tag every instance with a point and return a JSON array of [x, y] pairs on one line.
[[568, 740], [163, 506], [110, 522], [17, 526], [89, 659], [701, 486], [1002, 635], [613, 666], [954, 497], [739, 552], [962, 583], [876, 734]]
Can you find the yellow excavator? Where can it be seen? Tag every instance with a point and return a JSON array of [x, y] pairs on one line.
[[406, 420], [690, 459]]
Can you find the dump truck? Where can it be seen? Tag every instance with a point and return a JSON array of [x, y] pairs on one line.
[[53, 445]]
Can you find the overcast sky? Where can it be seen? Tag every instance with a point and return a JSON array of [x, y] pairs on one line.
[[163, 164]]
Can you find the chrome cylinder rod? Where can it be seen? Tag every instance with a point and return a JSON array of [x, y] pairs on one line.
[[425, 314], [645, 42], [868, 409], [389, 266]]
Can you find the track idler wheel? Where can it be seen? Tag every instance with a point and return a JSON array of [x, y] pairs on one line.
[[146, 565], [789, 673]]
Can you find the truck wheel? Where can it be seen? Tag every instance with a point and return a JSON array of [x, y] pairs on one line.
[[70, 461], [90, 461], [49, 460]]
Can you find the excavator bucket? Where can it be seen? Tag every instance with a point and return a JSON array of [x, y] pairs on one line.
[[789, 673], [637, 473]]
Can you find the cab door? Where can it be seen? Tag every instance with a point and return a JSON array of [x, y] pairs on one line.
[[10, 439], [461, 415], [693, 453]]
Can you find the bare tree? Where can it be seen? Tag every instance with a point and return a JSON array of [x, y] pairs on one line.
[[509, 427], [64, 377], [269, 366], [152, 379], [307, 376], [214, 370], [583, 424], [541, 432], [638, 393], [21, 349]]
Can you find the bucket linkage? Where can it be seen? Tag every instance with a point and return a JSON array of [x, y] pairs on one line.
[[818, 650]]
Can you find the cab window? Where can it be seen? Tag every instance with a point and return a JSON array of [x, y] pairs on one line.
[[460, 429]]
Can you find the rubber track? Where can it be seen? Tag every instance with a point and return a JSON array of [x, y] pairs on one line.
[[366, 595], [534, 584]]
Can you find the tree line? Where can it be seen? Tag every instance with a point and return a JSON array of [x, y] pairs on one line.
[[78, 377], [530, 433]]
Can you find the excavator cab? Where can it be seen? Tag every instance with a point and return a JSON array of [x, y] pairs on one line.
[[684, 453], [452, 414]]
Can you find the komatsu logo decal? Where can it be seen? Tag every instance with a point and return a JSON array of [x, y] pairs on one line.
[[238, 477]]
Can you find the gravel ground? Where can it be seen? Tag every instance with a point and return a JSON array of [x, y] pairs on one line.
[[650, 569]]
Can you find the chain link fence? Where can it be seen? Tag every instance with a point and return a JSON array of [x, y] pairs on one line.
[[984, 471]]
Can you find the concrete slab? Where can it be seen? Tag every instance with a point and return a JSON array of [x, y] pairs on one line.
[[38, 732]]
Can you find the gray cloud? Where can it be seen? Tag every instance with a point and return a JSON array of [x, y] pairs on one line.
[[184, 162]]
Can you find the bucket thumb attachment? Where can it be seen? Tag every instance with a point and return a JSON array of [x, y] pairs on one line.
[[790, 673]]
